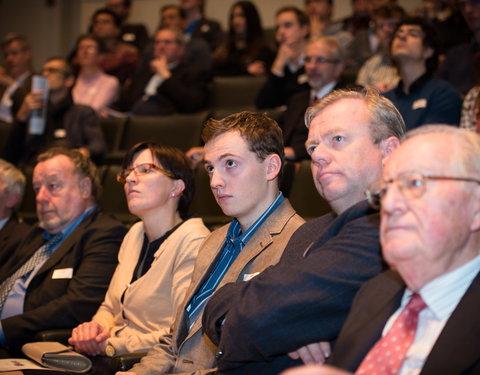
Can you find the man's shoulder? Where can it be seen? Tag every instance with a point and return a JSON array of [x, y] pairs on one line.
[[101, 221]]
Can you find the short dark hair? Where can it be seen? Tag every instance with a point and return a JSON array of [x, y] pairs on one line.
[[100, 44], [14, 37], [301, 16], [67, 68], [430, 39], [388, 10], [116, 19], [82, 165], [173, 160], [262, 133]]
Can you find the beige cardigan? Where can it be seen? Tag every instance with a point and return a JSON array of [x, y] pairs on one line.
[[149, 303]]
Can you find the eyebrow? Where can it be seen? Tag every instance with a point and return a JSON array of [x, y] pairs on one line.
[[223, 156]]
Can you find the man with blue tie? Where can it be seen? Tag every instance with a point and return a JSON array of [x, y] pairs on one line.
[[57, 277]]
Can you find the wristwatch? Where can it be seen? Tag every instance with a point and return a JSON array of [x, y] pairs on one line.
[[110, 351]]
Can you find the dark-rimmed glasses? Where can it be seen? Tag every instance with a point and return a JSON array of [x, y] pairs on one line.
[[140, 170], [412, 185]]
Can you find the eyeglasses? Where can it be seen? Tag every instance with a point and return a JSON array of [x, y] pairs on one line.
[[140, 170], [53, 71], [320, 59], [412, 185]]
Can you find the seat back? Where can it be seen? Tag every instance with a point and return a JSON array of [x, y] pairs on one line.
[[179, 130], [236, 93], [304, 196]]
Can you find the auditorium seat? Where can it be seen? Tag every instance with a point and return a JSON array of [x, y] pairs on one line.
[[304, 196]]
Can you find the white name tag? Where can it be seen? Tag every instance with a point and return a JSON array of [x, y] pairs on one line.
[[250, 276], [63, 273], [420, 103]]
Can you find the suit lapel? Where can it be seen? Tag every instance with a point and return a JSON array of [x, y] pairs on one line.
[[66, 245], [456, 349]]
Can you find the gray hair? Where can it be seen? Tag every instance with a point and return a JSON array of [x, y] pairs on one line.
[[13, 178], [385, 119], [466, 156]]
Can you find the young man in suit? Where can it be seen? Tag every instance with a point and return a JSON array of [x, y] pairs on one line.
[[430, 235], [244, 158], [307, 295], [59, 274]]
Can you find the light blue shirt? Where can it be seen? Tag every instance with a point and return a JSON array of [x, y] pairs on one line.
[[14, 303], [234, 243], [441, 296]]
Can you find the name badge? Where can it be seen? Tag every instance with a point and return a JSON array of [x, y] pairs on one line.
[[420, 103], [249, 276], [62, 273]]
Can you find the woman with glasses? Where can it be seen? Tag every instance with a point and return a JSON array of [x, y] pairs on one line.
[[156, 258]]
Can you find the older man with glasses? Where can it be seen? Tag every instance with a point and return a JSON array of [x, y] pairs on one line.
[[421, 317]]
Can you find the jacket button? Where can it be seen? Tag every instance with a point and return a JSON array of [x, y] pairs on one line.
[[218, 355]]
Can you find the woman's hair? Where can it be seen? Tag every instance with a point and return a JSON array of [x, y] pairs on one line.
[[254, 36], [174, 161]]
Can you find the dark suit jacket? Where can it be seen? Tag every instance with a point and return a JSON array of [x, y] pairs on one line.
[[52, 302], [305, 298], [81, 129], [456, 350], [185, 92], [210, 31], [12, 233], [277, 90]]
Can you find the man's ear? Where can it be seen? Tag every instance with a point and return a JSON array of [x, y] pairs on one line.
[[273, 165], [388, 145], [12, 200], [86, 187], [428, 53], [475, 224], [69, 81]]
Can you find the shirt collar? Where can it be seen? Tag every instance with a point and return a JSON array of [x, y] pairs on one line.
[[443, 294], [235, 231]]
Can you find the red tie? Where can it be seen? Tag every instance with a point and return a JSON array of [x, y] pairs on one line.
[[387, 355]]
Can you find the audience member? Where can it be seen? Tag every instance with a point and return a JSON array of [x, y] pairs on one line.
[[156, 257], [12, 229], [421, 98], [245, 50], [306, 296], [120, 59], [447, 20], [360, 17], [197, 25], [470, 117], [59, 274], [379, 70], [197, 50], [428, 301], [168, 85], [320, 13], [244, 157], [287, 74], [458, 68], [17, 60], [67, 124], [133, 33], [92, 86], [324, 65]]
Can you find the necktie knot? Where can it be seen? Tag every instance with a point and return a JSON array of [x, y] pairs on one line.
[[53, 242]]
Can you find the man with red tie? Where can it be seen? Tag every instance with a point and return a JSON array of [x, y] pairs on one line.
[[420, 317]]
